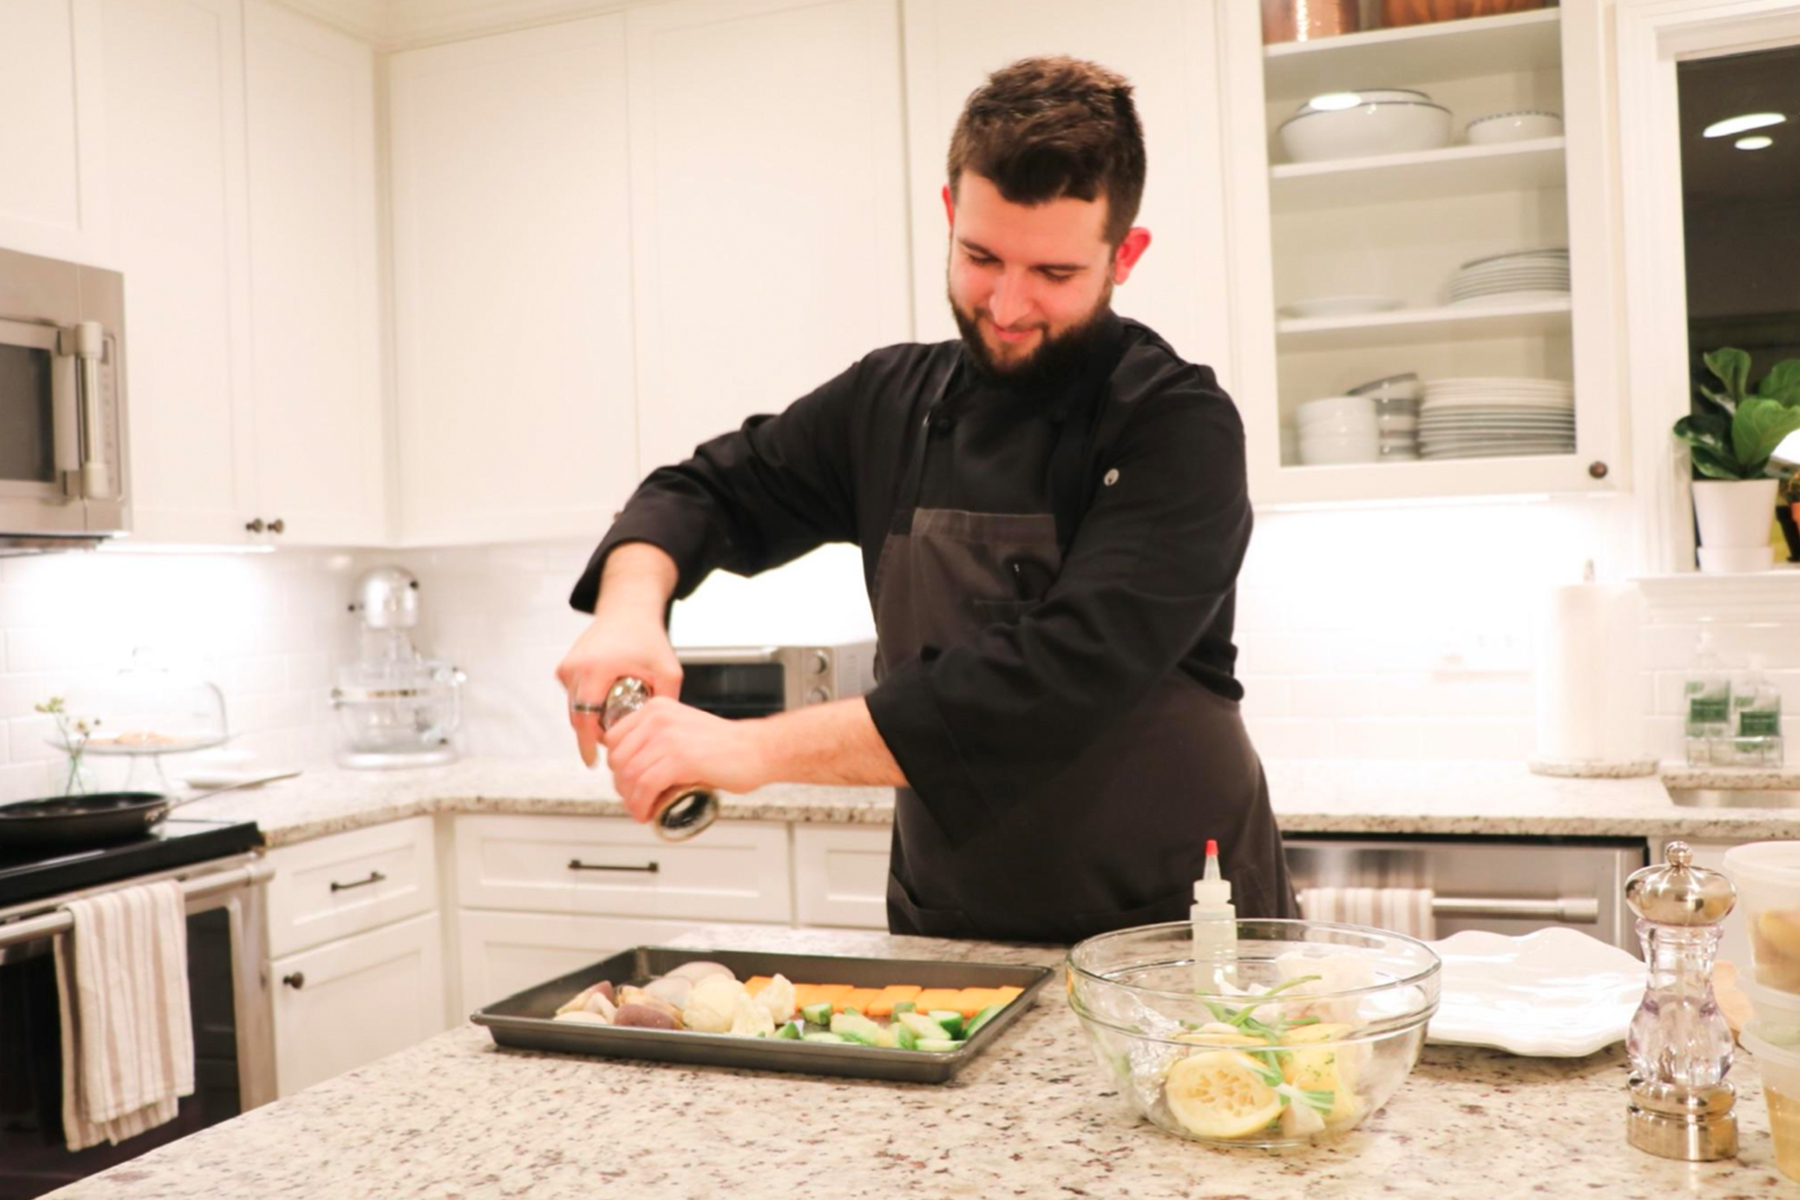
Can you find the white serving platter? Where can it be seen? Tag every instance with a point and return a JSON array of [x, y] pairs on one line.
[[1555, 993]]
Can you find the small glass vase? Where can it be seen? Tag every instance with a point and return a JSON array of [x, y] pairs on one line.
[[80, 779]]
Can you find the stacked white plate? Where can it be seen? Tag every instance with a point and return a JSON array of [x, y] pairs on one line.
[[1496, 417], [1512, 278]]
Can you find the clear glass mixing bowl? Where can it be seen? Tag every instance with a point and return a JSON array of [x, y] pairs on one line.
[[1306, 1031]]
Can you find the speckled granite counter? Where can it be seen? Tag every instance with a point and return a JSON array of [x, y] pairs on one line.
[[1475, 798], [1034, 1117]]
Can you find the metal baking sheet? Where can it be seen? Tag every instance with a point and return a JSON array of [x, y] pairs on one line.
[[524, 1021]]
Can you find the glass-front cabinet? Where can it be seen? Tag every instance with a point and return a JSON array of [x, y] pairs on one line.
[[1422, 273]]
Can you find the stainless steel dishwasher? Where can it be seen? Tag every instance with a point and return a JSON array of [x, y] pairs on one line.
[[1506, 885]]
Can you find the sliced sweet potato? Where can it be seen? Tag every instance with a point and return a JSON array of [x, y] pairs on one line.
[[944, 998], [972, 1000], [894, 993], [757, 983], [857, 998]]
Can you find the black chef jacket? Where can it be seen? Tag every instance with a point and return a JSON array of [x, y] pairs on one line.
[[1147, 584]]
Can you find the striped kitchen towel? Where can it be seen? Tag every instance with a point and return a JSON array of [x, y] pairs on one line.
[[1402, 910], [127, 1032]]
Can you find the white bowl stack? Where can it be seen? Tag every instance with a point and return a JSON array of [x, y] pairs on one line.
[[1496, 417], [1338, 430], [1512, 278], [1363, 123]]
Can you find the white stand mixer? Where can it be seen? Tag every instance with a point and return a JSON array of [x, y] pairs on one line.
[[396, 707]]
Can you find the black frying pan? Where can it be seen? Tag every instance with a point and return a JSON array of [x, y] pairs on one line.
[[98, 818]]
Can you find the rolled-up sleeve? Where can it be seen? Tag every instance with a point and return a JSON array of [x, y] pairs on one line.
[[747, 501], [1155, 557]]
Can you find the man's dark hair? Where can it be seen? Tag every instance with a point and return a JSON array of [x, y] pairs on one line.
[[1045, 128]]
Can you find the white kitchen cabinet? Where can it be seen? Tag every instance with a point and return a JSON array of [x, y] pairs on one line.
[[1400, 226], [512, 281], [352, 1001], [320, 428], [176, 179], [1169, 50], [52, 130], [503, 953], [613, 866], [768, 205], [840, 875], [348, 883]]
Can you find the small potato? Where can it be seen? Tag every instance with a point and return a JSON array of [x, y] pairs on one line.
[[671, 989], [580, 1000], [697, 971], [637, 995], [642, 1016], [580, 1017], [599, 1004]]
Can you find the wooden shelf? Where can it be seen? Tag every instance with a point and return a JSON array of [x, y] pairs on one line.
[[1412, 325], [1414, 54], [1422, 175]]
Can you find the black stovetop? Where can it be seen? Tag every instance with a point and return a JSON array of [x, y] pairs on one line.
[[33, 873]]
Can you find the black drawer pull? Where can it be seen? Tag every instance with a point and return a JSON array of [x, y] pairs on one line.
[[374, 877], [296, 981], [575, 864]]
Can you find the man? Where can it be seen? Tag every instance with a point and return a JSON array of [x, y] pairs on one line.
[[1052, 513]]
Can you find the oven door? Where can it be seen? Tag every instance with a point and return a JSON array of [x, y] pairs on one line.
[[233, 1047]]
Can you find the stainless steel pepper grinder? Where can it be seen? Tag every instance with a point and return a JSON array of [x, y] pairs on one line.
[[1680, 1045], [682, 811]]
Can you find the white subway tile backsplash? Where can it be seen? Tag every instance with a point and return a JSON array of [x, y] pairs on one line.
[[1379, 739], [1401, 633]]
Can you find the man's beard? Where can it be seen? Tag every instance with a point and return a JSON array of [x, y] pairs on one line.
[[1055, 360]]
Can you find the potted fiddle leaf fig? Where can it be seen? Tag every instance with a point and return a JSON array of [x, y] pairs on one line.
[[1732, 438]]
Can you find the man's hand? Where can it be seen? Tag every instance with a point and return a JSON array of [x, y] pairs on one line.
[[665, 744], [626, 638]]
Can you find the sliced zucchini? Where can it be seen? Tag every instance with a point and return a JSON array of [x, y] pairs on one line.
[[982, 1018]]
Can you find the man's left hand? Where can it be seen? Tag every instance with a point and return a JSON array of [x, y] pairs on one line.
[[666, 744]]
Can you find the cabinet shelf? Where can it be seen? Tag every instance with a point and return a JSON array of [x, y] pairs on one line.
[[1420, 175], [1429, 53], [1527, 475], [1414, 325]]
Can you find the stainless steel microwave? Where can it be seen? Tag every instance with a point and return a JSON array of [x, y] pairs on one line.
[[759, 681], [62, 405]]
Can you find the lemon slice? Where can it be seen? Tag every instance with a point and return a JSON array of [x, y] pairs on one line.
[[1327, 1069], [1220, 1094]]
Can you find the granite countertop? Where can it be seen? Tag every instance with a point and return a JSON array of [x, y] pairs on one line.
[[454, 1117], [1472, 798]]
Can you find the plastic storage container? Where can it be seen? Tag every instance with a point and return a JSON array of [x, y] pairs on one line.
[[1767, 875], [1779, 1067]]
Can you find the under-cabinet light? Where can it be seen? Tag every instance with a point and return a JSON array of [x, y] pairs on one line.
[[1744, 123], [1759, 142]]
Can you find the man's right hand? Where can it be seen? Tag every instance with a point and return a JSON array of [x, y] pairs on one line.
[[626, 638]]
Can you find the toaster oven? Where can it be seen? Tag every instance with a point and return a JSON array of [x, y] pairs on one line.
[[758, 681]]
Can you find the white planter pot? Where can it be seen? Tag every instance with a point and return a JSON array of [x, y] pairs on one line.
[[1735, 515]]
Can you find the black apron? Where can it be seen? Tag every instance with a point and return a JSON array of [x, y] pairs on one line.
[[1117, 838]]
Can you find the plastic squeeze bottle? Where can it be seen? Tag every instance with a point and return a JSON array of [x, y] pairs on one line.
[[1214, 918]]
